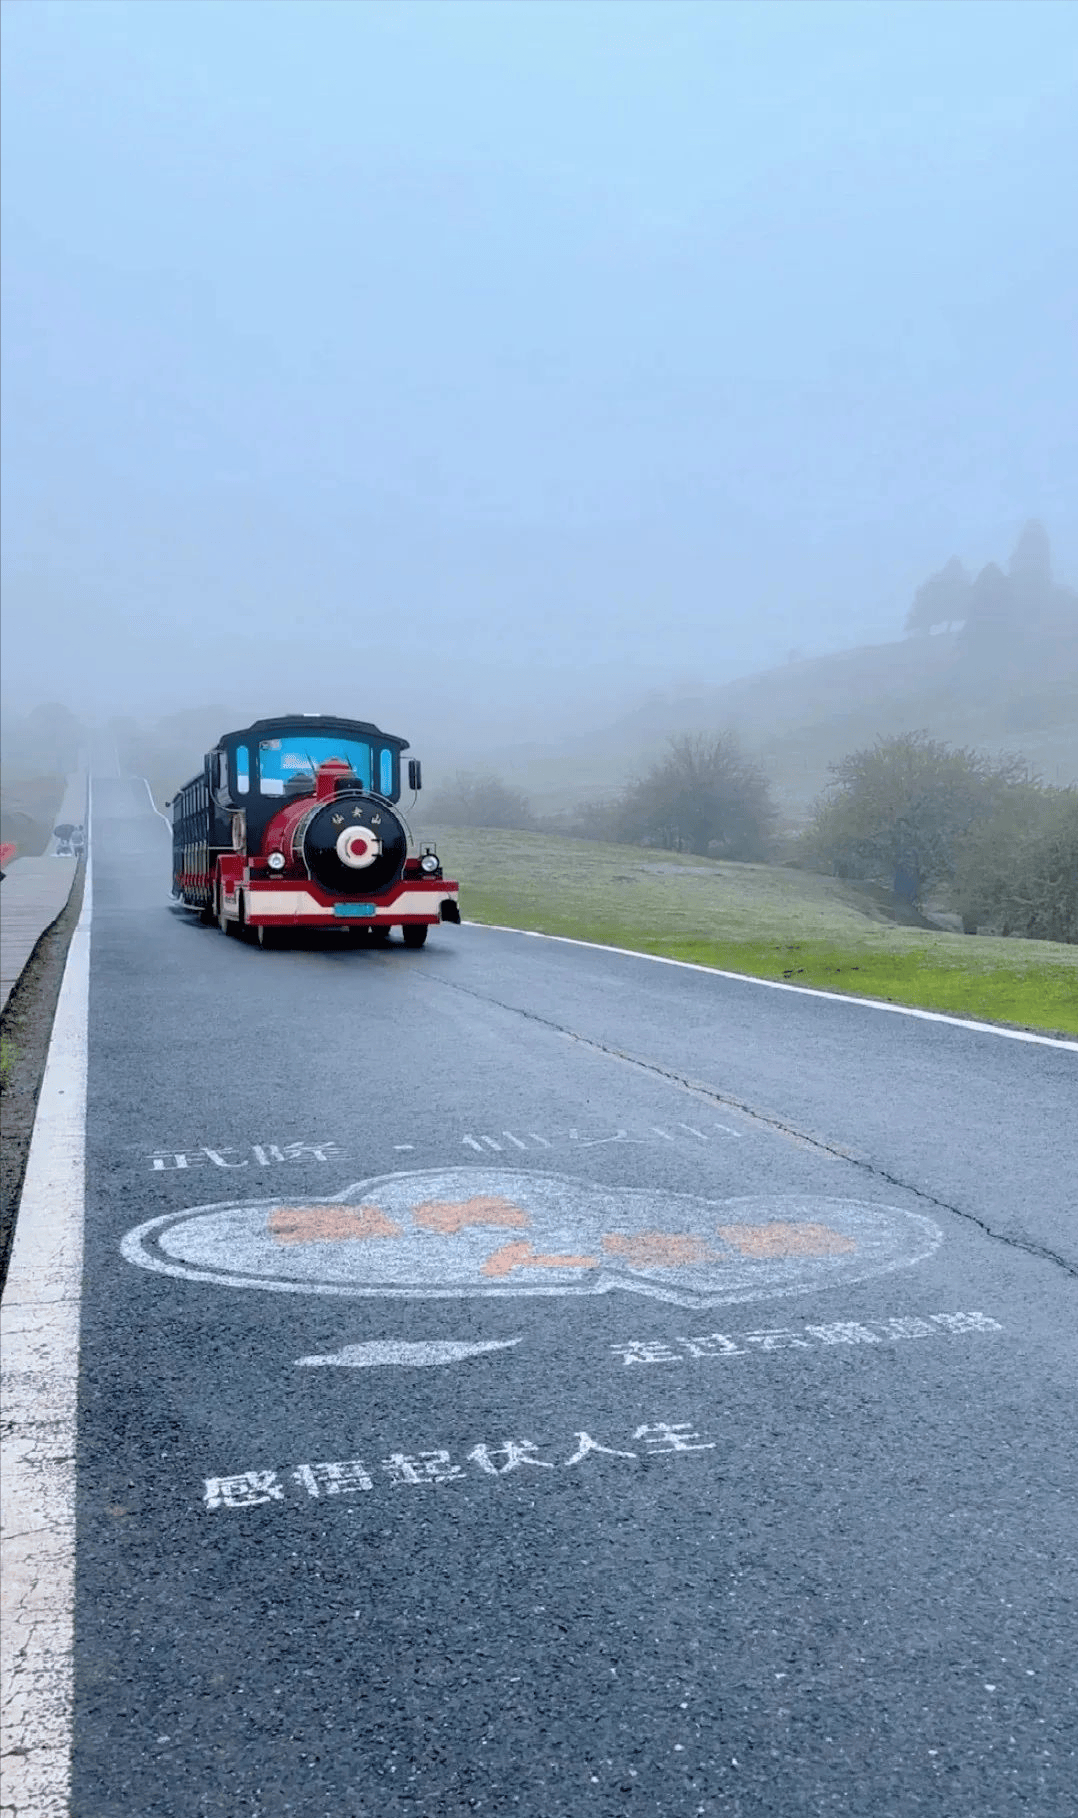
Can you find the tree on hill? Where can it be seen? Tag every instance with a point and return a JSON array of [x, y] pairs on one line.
[[1044, 606], [1022, 609], [1024, 612], [705, 796], [941, 600], [899, 810], [992, 622], [481, 799], [1030, 566]]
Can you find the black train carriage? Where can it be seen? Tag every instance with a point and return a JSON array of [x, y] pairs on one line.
[[294, 823]]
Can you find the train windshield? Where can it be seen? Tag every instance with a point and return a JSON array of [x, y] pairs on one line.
[[298, 755]]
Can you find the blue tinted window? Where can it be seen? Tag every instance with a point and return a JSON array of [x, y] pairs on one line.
[[299, 754], [243, 770], [385, 772]]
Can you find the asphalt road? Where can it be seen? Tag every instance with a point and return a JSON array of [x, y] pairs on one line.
[[588, 1387]]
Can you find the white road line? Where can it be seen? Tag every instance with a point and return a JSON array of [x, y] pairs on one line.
[[39, 1359], [154, 806], [774, 984]]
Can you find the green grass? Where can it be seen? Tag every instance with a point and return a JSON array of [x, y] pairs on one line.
[[8, 1056], [766, 921]]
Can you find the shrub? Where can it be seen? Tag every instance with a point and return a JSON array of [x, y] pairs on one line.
[[899, 810], [1018, 870]]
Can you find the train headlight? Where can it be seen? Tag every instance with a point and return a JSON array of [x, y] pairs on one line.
[[429, 863], [276, 861]]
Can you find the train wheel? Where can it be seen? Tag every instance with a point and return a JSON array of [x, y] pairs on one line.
[[414, 933]]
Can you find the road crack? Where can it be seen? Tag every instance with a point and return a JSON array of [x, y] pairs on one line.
[[770, 1121]]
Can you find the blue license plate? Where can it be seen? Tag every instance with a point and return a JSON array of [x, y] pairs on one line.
[[363, 909]]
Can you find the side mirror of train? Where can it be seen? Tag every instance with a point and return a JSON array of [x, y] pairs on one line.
[[415, 775]]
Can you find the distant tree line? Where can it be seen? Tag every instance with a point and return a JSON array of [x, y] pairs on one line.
[[997, 613], [912, 813], [50, 739], [915, 813], [704, 796]]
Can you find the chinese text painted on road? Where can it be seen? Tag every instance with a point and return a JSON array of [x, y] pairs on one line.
[[801, 1338], [403, 1470], [171, 1159]]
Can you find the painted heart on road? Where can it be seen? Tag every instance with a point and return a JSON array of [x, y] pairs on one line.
[[478, 1231]]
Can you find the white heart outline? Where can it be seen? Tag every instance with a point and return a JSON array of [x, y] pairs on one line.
[[135, 1246]]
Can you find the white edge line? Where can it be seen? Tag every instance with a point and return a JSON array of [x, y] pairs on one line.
[[153, 805], [774, 984], [39, 1361]]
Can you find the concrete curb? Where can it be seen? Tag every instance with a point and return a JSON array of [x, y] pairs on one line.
[[39, 1353]]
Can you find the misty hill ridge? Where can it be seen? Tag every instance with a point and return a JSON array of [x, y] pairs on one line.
[[989, 660], [804, 715]]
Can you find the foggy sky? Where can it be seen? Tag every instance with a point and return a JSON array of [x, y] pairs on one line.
[[478, 362]]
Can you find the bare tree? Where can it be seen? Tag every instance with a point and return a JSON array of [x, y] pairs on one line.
[[705, 796], [482, 799]]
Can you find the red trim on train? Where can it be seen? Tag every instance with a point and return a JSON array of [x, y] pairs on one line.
[[256, 873], [276, 884]]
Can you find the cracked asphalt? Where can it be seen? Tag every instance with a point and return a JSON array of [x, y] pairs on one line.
[[693, 1431]]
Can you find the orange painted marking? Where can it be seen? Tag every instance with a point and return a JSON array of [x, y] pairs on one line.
[[329, 1224], [521, 1256], [447, 1215], [774, 1240], [659, 1249]]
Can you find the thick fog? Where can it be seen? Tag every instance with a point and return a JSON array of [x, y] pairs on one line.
[[483, 368]]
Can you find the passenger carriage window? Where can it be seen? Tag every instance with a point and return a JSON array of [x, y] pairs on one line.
[[243, 770], [385, 772]]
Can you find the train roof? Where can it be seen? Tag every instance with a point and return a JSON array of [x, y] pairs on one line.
[[312, 722]]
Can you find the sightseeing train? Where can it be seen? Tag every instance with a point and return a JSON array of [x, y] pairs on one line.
[[295, 823]]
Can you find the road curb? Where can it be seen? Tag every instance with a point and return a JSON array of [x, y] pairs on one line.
[[39, 1356]]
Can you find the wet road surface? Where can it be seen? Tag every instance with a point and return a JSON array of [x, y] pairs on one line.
[[523, 1379]]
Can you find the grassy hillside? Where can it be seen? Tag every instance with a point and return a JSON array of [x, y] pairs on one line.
[[802, 717], [764, 920]]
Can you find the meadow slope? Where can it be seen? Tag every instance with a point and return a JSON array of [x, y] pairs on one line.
[[768, 921]]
